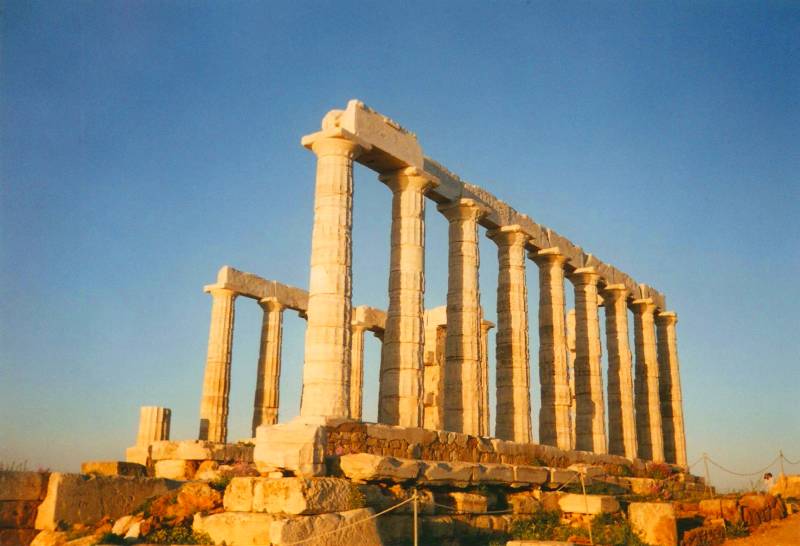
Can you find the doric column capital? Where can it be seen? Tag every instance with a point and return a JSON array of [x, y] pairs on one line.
[[461, 210], [643, 306], [220, 290], [508, 236], [667, 318], [584, 276], [271, 303], [336, 142], [409, 179], [358, 326], [615, 292], [547, 256]]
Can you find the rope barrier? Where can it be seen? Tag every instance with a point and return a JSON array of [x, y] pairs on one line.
[[353, 524], [747, 474], [790, 462]]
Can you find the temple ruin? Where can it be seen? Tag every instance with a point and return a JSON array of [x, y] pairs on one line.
[[434, 366]]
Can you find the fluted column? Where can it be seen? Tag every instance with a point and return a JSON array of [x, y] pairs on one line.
[[670, 389], [326, 369], [267, 399], [357, 370], [648, 408], [462, 345], [513, 420], [153, 425], [401, 374], [554, 421], [590, 418], [621, 420], [217, 376], [570, 327], [485, 413]]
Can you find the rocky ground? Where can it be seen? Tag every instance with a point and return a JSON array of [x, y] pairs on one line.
[[785, 532]]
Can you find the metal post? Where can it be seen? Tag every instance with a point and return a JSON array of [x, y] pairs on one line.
[[416, 529], [708, 479], [780, 453], [586, 505]]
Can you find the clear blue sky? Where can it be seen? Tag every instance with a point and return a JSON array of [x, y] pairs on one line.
[[145, 144]]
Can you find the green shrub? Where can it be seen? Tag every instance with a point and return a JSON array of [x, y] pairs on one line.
[[111, 538], [737, 530], [177, 535]]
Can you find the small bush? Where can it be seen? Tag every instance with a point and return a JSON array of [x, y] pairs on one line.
[[357, 498], [737, 530], [177, 535]]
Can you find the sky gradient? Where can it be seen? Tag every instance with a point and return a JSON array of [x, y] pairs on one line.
[[145, 144]]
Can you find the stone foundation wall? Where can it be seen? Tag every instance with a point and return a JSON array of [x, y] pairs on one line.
[[21, 493], [418, 443]]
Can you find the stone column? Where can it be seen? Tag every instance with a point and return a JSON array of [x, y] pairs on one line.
[[401, 375], [217, 377], [513, 421], [265, 407], [671, 398], [590, 417], [463, 343], [326, 369], [621, 420], [485, 327], [570, 326], [357, 370], [648, 409], [554, 422], [153, 425]]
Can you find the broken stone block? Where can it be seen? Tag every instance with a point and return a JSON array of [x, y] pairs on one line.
[[122, 525], [725, 508], [641, 486], [294, 496], [524, 503], [29, 486], [350, 527], [441, 473], [77, 498], [654, 522], [176, 469], [787, 487], [208, 471], [367, 467], [138, 454], [588, 504], [235, 528], [467, 502], [295, 446], [113, 468]]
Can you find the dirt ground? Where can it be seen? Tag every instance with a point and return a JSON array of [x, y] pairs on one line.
[[785, 532]]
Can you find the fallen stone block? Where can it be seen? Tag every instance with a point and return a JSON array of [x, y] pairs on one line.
[[22, 485], [708, 535], [367, 467], [295, 446], [139, 455], [235, 528], [524, 503], [467, 502], [18, 514], [441, 473], [787, 487], [293, 496], [588, 504], [654, 522], [725, 508], [351, 527], [77, 498], [113, 468], [641, 486], [175, 469], [17, 537]]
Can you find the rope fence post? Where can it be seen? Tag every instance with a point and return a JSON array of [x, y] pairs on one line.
[[586, 506], [780, 454], [416, 512], [708, 478]]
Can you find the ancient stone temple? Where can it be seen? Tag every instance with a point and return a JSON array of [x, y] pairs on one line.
[[434, 368]]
